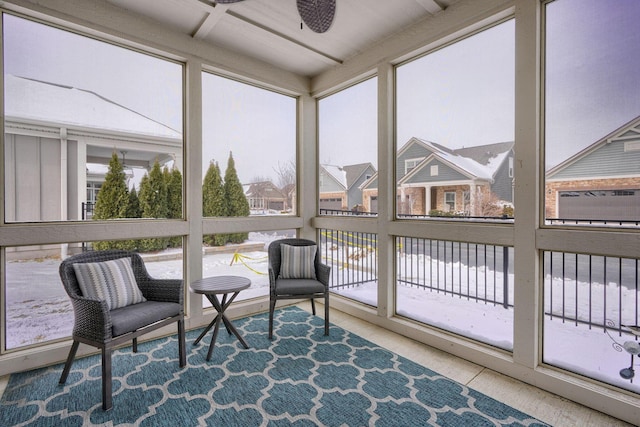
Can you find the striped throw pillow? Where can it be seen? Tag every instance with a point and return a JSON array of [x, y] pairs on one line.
[[298, 262], [112, 281]]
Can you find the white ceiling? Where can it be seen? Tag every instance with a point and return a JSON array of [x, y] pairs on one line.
[[270, 30]]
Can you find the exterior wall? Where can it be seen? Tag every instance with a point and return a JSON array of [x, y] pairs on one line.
[[417, 198], [503, 183], [328, 183], [445, 173], [601, 163], [458, 189], [354, 195], [553, 188], [32, 188], [367, 194], [415, 151]]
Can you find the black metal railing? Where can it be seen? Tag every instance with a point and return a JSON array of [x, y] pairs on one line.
[[593, 290], [87, 210], [353, 257], [501, 218], [473, 271], [340, 212], [597, 291], [594, 222]]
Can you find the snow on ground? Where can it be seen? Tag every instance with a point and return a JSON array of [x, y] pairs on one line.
[[38, 310]]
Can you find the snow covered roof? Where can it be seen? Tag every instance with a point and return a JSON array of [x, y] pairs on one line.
[[338, 173], [480, 161], [65, 105]]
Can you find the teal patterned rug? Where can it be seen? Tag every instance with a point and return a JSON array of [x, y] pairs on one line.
[[300, 378]]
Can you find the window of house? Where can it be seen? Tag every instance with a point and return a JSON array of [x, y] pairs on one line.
[[592, 108], [248, 169], [410, 164], [37, 309], [450, 201], [347, 159], [348, 141], [237, 118], [86, 124], [457, 105], [92, 113]]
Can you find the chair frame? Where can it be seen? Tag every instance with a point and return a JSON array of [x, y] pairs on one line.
[[323, 275], [93, 325]]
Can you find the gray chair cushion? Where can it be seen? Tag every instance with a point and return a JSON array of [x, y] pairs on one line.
[[132, 317], [298, 287]]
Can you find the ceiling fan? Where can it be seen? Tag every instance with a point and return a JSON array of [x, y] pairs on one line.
[[317, 14]]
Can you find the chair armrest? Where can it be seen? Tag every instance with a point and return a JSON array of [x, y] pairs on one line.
[[272, 279], [92, 319], [323, 274], [165, 290]]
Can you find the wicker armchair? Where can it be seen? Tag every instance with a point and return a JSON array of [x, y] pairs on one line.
[[280, 288], [106, 329]]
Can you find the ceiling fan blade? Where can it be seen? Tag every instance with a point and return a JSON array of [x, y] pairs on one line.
[[317, 14]]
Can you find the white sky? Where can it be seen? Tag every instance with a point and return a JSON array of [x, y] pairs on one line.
[[461, 95]]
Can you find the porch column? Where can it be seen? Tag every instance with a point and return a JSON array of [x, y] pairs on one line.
[[427, 199], [473, 196]]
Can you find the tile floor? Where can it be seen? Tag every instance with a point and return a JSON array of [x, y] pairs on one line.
[[538, 403]]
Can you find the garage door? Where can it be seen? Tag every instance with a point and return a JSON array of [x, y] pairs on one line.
[[600, 204], [331, 203]]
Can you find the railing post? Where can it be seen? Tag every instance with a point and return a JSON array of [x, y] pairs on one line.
[[505, 276]]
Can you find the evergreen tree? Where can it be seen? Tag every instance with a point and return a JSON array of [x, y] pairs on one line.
[[113, 196], [153, 204], [133, 205], [174, 200], [213, 203], [112, 200], [236, 200], [133, 211]]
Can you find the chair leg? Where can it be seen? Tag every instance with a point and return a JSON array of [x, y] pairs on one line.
[[107, 386], [69, 362], [181, 346], [326, 314], [272, 307], [135, 345], [313, 306]]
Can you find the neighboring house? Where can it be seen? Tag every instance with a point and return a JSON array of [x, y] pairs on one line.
[[289, 191], [340, 186], [467, 181], [601, 181], [65, 134], [333, 187], [356, 175], [265, 196]]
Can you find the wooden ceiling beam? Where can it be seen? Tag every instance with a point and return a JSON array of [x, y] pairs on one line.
[[430, 6]]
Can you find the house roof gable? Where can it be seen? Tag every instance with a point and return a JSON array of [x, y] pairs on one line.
[[629, 130]]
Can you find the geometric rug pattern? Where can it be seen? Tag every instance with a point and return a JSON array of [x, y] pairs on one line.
[[300, 378]]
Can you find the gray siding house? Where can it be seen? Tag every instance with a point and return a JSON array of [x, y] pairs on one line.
[[472, 181], [601, 182]]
